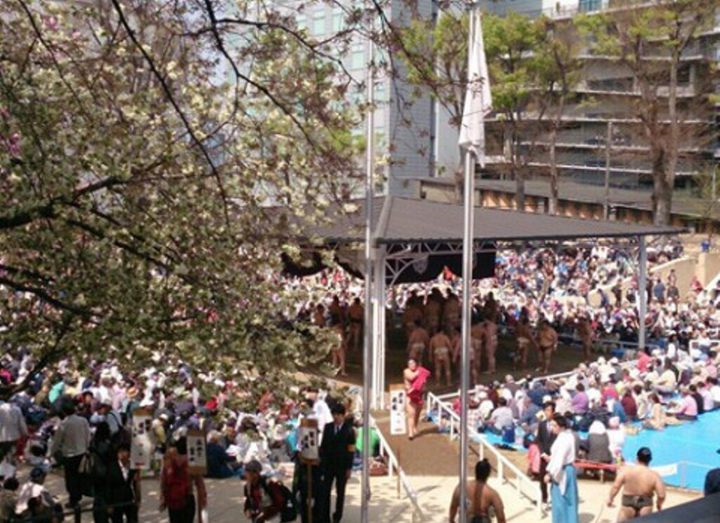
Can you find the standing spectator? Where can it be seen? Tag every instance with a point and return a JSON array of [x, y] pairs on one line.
[[176, 485], [123, 483], [101, 449], [69, 445], [264, 500], [336, 457], [12, 428], [545, 439], [561, 473]]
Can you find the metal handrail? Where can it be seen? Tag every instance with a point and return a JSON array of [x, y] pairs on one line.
[[503, 463], [393, 463]]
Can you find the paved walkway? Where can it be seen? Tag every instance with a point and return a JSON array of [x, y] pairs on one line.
[[434, 491]]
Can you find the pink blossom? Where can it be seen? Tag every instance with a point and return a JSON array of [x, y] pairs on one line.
[[51, 22]]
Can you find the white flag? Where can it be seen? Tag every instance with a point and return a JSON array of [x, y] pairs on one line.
[[478, 101]]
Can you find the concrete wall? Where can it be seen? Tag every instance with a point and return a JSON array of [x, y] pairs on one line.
[[708, 267]]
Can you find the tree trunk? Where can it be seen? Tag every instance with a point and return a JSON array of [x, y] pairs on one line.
[[519, 187], [672, 144], [554, 182]]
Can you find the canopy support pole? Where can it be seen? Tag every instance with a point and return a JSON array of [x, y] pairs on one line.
[[642, 293]]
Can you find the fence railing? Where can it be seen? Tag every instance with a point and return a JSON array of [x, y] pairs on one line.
[[506, 470], [394, 469]]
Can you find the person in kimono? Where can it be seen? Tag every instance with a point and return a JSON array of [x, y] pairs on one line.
[[561, 473]]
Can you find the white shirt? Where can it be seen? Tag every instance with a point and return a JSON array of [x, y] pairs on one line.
[[12, 422], [562, 453], [322, 413], [715, 393]]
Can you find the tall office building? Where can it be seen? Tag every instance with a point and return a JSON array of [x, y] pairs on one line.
[[405, 126]]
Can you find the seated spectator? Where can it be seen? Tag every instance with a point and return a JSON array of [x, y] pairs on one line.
[[35, 502], [687, 410], [500, 418], [629, 405], [580, 401], [8, 499], [616, 435], [597, 445], [220, 465], [714, 391]]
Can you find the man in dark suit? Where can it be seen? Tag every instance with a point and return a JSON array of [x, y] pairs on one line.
[[337, 449], [123, 485], [545, 439]]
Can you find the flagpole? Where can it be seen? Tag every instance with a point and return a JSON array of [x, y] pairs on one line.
[[369, 270], [468, 252]]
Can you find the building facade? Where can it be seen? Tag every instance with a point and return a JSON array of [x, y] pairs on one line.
[[601, 136], [405, 119]]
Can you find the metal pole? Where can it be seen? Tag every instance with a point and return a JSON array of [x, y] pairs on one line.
[[642, 284], [367, 353], [377, 331], [608, 144], [468, 254], [382, 292]]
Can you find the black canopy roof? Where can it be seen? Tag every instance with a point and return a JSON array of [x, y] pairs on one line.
[[406, 220]]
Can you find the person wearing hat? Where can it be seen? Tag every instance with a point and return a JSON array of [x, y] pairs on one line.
[[264, 500], [639, 485]]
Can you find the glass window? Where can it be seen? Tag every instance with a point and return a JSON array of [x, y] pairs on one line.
[[318, 27], [358, 57], [338, 20]]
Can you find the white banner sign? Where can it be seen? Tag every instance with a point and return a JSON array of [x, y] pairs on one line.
[[397, 410], [197, 456], [141, 448], [308, 438]]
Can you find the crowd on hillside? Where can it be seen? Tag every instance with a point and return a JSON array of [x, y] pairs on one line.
[[82, 421]]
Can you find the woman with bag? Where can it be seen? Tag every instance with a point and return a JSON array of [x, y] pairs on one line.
[[176, 485]]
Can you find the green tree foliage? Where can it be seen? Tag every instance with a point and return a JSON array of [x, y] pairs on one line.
[[516, 69], [139, 148], [649, 40]]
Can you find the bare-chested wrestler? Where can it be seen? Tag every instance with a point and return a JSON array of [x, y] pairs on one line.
[[440, 350], [418, 343], [491, 307], [477, 334], [585, 333], [336, 311], [319, 315], [339, 349], [412, 315], [524, 338], [547, 341], [456, 340], [433, 311], [414, 377], [490, 343], [356, 315], [639, 485], [451, 312]]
